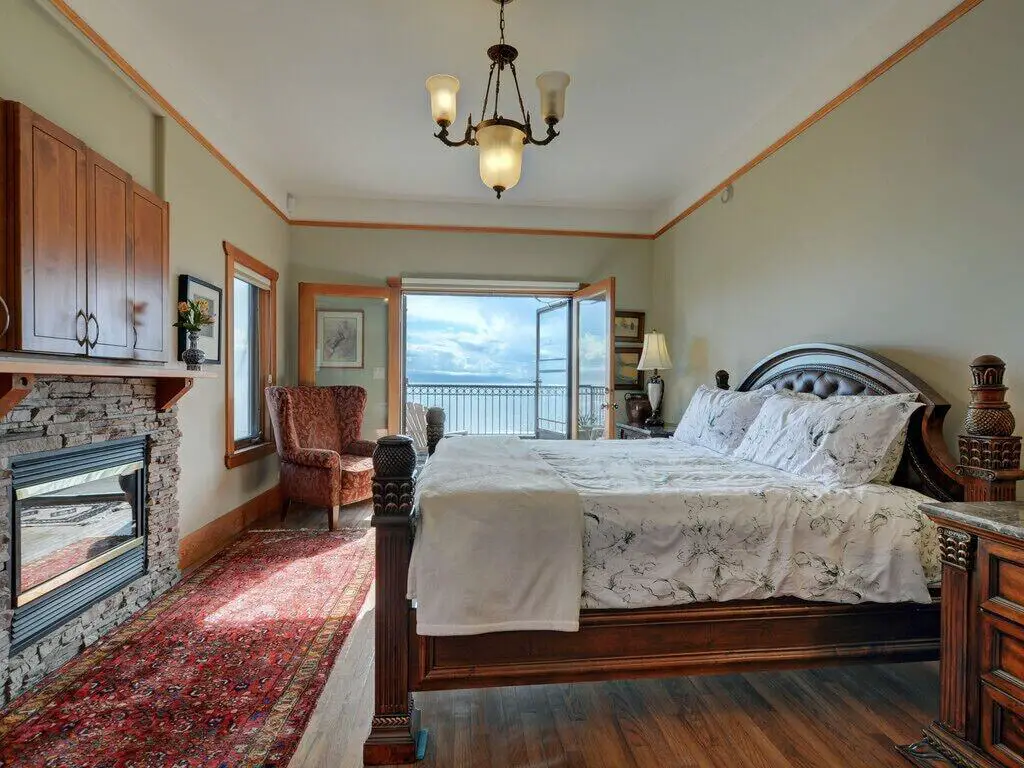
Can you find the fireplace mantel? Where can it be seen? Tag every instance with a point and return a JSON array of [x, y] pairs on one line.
[[18, 374]]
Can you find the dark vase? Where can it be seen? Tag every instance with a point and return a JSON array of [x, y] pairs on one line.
[[193, 357], [638, 407]]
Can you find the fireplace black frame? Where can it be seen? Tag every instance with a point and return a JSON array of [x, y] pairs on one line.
[[47, 613]]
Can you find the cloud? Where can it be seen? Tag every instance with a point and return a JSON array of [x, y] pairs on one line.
[[473, 339]]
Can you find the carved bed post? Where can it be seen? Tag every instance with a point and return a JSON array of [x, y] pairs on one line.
[[989, 453], [435, 428], [722, 379], [395, 725]]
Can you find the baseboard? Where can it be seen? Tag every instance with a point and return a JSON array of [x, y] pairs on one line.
[[217, 534]]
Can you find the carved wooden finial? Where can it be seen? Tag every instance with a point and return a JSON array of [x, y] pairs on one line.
[[722, 379], [435, 428], [989, 454]]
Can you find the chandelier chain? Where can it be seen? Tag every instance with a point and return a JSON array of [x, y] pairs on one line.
[[501, 22], [487, 93], [519, 93]]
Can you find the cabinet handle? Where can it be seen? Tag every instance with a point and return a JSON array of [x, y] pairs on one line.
[[92, 318], [7, 317], [84, 339]]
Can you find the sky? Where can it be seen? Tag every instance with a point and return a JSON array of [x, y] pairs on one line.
[[479, 339]]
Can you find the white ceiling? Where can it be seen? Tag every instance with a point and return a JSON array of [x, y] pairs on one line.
[[324, 99]]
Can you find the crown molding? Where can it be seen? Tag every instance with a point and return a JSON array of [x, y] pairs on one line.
[[613, 224], [957, 12]]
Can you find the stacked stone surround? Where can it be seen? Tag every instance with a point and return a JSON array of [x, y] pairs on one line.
[[62, 412]]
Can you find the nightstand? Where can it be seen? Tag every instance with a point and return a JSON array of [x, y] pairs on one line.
[[981, 694], [640, 432]]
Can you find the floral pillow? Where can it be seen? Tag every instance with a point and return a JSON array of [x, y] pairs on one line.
[[839, 441], [891, 461], [718, 418]]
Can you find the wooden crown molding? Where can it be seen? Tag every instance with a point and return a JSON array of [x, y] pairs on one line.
[[858, 85], [469, 229], [132, 74]]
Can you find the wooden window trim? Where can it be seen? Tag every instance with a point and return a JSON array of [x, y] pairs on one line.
[[234, 456]]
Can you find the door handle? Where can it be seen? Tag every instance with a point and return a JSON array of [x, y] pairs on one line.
[[92, 318], [83, 341], [7, 317]]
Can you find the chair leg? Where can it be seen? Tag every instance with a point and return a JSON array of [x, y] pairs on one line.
[[333, 516], [285, 506]]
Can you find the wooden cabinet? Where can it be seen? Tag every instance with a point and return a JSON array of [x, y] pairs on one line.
[[85, 250], [150, 268], [981, 668]]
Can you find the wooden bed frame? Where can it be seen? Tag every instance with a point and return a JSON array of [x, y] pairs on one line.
[[683, 640]]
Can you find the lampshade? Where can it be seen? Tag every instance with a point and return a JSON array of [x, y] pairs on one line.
[[552, 87], [655, 353], [442, 90], [501, 156]]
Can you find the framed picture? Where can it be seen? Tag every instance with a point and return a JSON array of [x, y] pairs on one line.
[[339, 338], [189, 288], [629, 327], [626, 374]]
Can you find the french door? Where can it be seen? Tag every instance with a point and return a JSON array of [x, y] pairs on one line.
[[593, 351], [575, 378]]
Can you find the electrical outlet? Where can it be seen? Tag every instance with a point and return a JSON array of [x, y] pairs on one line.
[[379, 373]]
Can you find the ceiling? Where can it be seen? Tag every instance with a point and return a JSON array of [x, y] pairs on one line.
[[324, 99]]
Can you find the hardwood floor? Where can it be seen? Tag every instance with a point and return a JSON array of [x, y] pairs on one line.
[[841, 717]]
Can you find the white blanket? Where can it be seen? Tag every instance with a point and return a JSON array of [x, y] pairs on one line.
[[499, 544]]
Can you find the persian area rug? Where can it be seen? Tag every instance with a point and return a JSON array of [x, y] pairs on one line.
[[223, 670]]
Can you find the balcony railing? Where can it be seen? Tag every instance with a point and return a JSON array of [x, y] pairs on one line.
[[511, 409]]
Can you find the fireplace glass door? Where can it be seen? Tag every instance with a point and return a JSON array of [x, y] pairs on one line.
[[73, 514]]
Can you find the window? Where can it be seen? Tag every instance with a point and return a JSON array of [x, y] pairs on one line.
[[251, 323]]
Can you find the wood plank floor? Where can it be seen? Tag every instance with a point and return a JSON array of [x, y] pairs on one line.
[[846, 717]]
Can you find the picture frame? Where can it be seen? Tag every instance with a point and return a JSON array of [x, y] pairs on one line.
[[625, 365], [340, 334], [629, 327], [191, 287]]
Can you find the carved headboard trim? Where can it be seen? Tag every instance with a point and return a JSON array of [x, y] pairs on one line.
[[838, 369]]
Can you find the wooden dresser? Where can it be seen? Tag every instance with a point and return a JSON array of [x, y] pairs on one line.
[[981, 671]]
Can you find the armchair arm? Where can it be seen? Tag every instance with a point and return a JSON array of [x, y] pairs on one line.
[[361, 447], [317, 458]]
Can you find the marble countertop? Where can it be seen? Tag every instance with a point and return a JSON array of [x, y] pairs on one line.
[[1004, 517]]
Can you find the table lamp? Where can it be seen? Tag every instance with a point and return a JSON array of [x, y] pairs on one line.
[[655, 356]]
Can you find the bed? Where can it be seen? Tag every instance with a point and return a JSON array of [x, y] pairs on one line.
[[643, 628]]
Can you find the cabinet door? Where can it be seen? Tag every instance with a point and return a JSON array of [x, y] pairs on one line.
[[48, 282], [150, 274], [109, 308]]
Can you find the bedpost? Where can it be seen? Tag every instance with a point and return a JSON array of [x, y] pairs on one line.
[[435, 428], [395, 725], [722, 379], [989, 453]]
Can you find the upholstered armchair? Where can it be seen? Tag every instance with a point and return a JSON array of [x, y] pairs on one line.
[[323, 461]]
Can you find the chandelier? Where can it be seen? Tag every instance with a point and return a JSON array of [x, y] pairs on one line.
[[500, 139]]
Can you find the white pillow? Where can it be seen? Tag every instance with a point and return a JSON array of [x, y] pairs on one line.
[[718, 418], [840, 441], [891, 461]]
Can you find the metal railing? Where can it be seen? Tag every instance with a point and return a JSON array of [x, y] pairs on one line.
[[511, 409]]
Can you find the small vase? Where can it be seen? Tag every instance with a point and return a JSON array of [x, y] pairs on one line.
[[193, 357]]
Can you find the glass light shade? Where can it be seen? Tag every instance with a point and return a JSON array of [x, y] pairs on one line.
[[501, 155], [552, 87], [442, 90], [655, 353]]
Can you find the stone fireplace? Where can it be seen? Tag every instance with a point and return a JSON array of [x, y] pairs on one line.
[[88, 517]]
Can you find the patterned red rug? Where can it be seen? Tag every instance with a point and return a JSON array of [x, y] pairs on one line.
[[223, 670]]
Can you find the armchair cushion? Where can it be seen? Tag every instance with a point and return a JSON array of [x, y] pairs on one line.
[[356, 478]]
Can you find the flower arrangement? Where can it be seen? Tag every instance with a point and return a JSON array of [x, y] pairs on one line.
[[194, 314]]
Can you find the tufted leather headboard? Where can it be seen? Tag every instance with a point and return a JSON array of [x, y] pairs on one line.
[[834, 370]]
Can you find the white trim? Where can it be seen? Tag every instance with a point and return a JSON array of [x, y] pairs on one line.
[[488, 286], [252, 277]]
